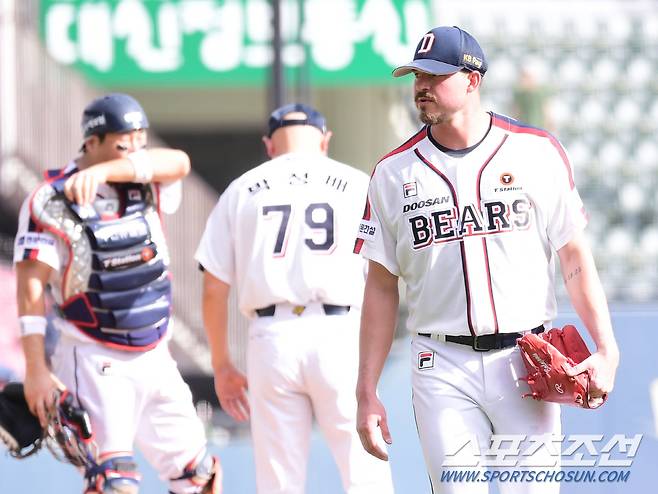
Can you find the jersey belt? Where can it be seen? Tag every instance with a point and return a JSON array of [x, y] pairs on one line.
[[483, 342], [329, 309]]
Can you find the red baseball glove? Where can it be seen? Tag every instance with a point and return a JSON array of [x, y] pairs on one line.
[[546, 356]]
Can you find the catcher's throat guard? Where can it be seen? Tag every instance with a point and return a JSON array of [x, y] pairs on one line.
[[547, 357]]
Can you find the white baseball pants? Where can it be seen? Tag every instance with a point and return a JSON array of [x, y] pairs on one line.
[[133, 397], [461, 395], [300, 367]]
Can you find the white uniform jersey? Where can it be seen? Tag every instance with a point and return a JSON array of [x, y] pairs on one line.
[[284, 231], [33, 243], [473, 234]]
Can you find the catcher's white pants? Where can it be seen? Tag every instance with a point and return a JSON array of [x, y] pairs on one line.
[[300, 367], [461, 397], [133, 397]]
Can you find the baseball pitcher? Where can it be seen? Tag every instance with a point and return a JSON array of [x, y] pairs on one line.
[[472, 212]]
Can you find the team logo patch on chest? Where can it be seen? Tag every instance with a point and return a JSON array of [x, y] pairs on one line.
[[506, 178], [425, 360]]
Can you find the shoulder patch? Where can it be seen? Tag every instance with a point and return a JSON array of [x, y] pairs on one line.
[[367, 230]]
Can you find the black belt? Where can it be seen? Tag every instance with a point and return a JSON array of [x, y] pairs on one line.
[[486, 342], [329, 309]]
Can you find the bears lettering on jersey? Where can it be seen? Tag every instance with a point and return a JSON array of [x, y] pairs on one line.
[[446, 225]]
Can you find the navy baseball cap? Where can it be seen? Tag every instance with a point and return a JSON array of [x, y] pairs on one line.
[[445, 50], [313, 118], [115, 112]]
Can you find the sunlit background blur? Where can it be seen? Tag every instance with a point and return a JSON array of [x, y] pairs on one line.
[[208, 72]]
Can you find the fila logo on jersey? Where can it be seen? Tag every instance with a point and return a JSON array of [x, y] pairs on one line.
[[134, 195], [448, 225], [425, 360], [105, 367], [410, 189]]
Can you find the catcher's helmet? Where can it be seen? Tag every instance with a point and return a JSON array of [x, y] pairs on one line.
[[115, 112]]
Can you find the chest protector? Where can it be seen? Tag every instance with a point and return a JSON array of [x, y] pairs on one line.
[[115, 286]]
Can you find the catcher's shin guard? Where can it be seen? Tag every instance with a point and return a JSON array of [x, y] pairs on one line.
[[116, 475], [19, 429], [203, 475]]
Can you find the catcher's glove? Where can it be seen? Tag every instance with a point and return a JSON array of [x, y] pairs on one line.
[[19, 429], [546, 356]]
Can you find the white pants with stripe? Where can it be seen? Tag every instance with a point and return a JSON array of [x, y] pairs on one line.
[[133, 398], [300, 367], [462, 397]]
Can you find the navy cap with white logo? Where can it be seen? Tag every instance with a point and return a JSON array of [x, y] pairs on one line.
[[115, 112], [445, 50], [313, 118]]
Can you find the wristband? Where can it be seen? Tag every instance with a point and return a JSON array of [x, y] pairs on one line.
[[32, 325], [142, 166]]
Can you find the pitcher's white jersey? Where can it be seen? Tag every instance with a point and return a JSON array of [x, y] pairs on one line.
[[300, 209], [497, 212]]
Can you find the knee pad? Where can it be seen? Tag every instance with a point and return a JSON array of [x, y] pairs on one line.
[[203, 475], [117, 475]]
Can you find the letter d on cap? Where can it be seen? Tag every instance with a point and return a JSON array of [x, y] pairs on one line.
[[426, 43]]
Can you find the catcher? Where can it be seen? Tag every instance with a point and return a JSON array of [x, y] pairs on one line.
[[92, 236]]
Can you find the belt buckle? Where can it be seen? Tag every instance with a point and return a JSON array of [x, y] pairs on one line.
[[298, 309], [475, 344]]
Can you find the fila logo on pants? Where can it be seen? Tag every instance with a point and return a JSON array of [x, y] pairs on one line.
[[425, 360]]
